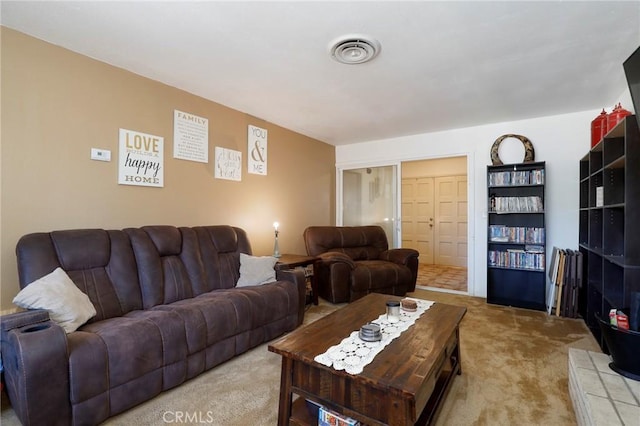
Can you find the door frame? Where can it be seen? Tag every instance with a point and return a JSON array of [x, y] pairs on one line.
[[472, 289]]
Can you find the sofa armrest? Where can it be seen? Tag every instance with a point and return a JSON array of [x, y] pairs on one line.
[[334, 276], [407, 257], [36, 368], [22, 318], [296, 276], [331, 257], [401, 256]]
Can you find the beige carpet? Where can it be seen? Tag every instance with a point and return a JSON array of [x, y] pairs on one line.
[[514, 365], [514, 372]]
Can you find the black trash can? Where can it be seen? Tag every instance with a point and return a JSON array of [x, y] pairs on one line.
[[624, 346]]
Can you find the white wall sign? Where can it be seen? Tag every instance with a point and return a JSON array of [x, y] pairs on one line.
[[141, 159], [190, 137], [228, 164], [257, 150]]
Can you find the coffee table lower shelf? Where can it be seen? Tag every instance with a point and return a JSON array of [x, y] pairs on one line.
[[300, 415]]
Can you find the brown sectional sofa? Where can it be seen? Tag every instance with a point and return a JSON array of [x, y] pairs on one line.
[[167, 310], [357, 260]]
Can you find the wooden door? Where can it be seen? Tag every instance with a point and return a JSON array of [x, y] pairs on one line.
[[417, 217], [451, 220]]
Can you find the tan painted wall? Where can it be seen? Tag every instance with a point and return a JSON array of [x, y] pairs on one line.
[[448, 166], [57, 105]]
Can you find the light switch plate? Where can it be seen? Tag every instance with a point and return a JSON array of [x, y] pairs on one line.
[[100, 154]]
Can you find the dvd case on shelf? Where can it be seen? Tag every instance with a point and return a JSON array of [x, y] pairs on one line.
[[516, 178]]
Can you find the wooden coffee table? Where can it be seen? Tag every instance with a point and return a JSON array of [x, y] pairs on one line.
[[403, 385]]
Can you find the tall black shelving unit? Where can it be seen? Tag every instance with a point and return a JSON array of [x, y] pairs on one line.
[[609, 225], [516, 235]]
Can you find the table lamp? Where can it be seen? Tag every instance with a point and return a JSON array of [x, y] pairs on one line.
[[276, 249]]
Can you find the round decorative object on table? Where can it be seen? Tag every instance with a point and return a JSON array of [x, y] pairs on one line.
[[409, 305], [370, 332], [529, 153], [393, 311]]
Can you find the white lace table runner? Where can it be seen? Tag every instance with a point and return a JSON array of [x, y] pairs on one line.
[[353, 353]]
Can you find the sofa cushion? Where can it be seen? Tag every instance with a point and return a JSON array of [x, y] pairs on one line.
[[169, 266], [106, 272], [221, 246], [374, 275], [55, 292], [172, 329], [256, 270], [134, 347], [72, 248], [358, 242], [259, 313]]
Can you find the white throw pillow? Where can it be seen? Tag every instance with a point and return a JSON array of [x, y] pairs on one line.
[[67, 305], [256, 270]]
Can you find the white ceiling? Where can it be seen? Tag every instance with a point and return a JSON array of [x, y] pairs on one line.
[[443, 65]]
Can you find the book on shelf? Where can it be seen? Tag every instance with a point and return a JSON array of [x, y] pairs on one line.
[[515, 178], [530, 204], [516, 259], [599, 196], [327, 417], [516, 234]]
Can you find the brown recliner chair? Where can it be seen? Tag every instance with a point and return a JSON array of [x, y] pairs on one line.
[[356, 260]]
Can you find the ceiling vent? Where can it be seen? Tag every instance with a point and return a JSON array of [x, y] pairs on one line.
[[354, 49]]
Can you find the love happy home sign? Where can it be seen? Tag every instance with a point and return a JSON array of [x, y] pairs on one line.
[[141, 159]]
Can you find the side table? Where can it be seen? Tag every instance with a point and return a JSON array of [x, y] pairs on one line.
[[290, 261]]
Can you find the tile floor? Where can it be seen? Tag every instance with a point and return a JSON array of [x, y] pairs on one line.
[[442, 276], [600, 396]]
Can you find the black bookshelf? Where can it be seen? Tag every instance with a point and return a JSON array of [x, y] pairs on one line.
[[516, 235], [609, 224]]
